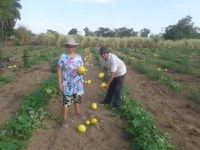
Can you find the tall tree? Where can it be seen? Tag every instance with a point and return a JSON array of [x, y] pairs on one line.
[[184, 29], [104, 32], [9, 13], [88, 32], [144, 32], [55, 33], [73, 31], [23, 33], [125, 32]]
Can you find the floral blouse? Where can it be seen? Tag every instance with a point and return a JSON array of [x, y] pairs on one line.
[[72, 81]]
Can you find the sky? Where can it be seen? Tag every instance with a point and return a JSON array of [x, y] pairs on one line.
[[63, 15]]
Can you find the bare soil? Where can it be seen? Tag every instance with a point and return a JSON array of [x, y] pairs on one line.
[[185, 79], [12, 94], [103, 135], [174, 113]]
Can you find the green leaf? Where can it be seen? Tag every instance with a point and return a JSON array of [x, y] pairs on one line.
[[136, 122]]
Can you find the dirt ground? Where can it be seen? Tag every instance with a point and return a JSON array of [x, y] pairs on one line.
[[174, 114], [185, 79], [11, 94], [102, 136]]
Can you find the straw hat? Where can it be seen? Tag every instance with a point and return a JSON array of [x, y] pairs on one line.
[[71, 41]]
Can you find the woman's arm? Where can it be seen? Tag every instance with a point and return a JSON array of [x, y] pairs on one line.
[[59, 73]]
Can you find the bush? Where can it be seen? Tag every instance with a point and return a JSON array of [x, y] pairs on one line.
[[17, 43]]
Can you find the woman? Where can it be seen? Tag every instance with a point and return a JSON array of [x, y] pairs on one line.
[[69, 81]]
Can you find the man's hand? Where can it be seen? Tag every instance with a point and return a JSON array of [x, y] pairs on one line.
[[110, 79], [106, 87]]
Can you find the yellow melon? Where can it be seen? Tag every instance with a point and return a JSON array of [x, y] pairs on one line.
[[81, 70], [81, 128], [101, 75]]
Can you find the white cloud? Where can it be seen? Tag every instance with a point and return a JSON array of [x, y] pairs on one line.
[[96, 1]]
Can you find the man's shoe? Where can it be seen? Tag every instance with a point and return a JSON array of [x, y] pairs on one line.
[[114, 109]]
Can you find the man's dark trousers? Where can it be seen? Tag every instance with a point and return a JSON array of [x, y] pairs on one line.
[[115, 89]]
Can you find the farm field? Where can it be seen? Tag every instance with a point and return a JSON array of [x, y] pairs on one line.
[[171, 102]]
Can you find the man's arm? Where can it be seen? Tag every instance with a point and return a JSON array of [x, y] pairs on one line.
[[111, 78]]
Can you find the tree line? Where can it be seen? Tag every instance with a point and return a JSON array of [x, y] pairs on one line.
[[184, 29], [9, 14]]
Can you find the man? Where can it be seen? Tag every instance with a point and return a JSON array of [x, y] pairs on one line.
[[117, 69]]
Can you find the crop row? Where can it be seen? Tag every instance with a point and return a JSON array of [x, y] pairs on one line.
[[156, 73], [29, 116]]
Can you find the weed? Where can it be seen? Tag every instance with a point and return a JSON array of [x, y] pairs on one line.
[[17, 43], [30, 115], [141, 129], [53, 65], [5, 78], [194, 95], [25, 58]]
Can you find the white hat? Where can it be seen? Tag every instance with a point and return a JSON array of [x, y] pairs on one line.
[[70, 41]]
